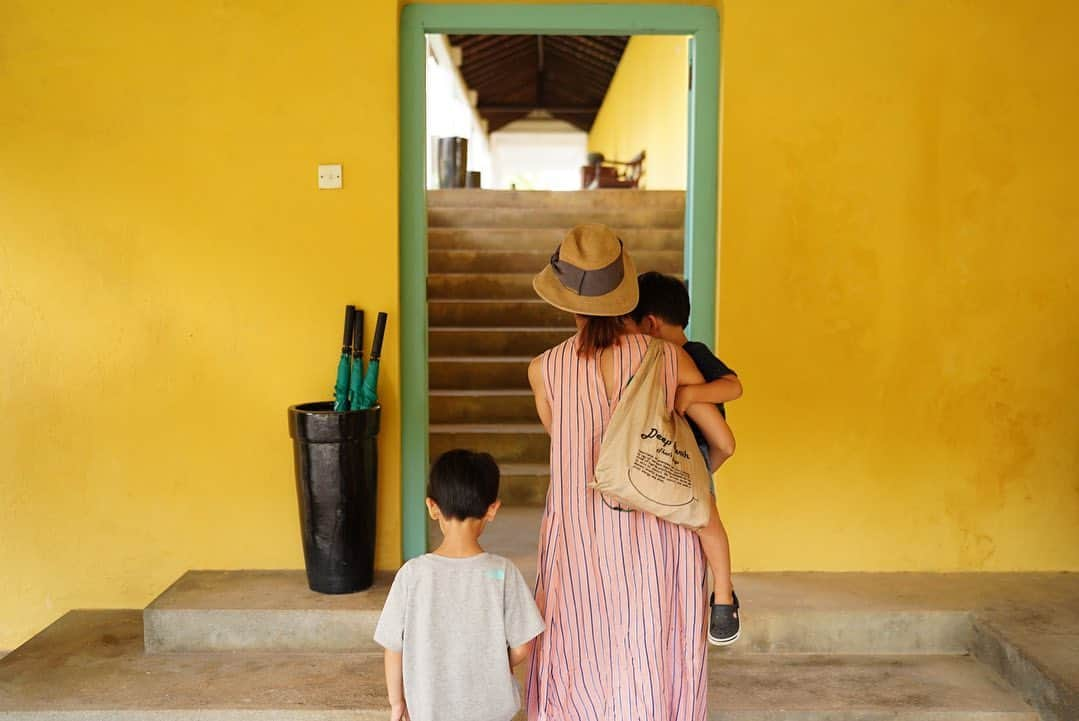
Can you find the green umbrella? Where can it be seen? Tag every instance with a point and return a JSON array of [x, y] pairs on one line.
[[356, 380], [369, 391], [340, 388]]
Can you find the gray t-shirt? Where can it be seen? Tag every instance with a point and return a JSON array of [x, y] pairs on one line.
[[453, 620]]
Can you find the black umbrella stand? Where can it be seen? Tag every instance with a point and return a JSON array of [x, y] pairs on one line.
[[336, 458]]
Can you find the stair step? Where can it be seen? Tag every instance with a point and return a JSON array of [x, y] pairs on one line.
[[545, 239], [533, 261], [524, 484], [510, 341], [783, 613], [605, 198], [260, 610], [507, 442], [556, 217], [495, 313], [91, 666], [478, 373], [478, 406], [480, 286], [778, 687], [851, 631]]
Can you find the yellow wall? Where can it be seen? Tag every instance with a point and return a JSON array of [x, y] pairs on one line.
[[899, 284], [646, 108], [171, 280], [897, 263]]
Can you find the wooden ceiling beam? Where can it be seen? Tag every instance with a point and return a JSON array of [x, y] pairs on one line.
[[564, 109], [581, 53], [495, 56], [614, 52], [497, 70]]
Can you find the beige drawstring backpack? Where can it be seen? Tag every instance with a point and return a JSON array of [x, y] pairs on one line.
[[649, 460]]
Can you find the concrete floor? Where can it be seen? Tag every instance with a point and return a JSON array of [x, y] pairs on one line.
[[816, 647], [93, 661]]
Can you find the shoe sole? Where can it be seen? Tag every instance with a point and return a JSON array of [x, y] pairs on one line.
[[724, 641]]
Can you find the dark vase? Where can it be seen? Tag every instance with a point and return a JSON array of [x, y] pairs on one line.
[[452, 162], [336, 459]]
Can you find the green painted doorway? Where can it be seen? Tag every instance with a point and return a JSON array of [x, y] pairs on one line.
[[417, 20]]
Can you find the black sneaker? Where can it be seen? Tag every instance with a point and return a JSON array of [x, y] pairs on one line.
[[724, 628]]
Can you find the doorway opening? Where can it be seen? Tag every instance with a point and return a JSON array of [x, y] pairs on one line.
[[472, 321]]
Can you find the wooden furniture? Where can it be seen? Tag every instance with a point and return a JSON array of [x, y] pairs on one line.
[[603, 173]]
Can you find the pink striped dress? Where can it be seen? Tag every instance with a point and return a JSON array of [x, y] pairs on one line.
[[622, 594]]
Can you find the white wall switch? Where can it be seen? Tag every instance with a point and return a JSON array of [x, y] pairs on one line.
[[329, 176]]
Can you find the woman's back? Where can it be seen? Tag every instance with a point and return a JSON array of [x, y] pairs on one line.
[[622, 592]]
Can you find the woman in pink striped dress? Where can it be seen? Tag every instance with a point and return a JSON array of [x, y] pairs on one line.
[[622, 593]]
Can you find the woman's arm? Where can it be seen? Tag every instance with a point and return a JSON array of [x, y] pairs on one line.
[[706, 415], [395, 685], [535, 379]]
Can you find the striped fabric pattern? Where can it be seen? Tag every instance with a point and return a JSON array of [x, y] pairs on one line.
[[622, 594]]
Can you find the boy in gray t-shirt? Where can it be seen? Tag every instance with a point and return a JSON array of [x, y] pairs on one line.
[[458, 620]]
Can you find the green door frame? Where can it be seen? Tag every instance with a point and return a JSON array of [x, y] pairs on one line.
[[417, 20]]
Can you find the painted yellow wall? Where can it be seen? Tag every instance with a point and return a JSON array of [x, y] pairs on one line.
[[171, 280], [646, 108], [899, 284], [897, 266]]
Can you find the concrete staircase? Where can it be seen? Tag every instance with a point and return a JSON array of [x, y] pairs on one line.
[[486, 322], [245, 645]]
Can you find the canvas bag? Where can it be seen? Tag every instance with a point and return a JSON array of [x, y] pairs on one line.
[[649, 460]]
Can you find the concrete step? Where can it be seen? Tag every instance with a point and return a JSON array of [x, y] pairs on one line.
[[91, 666], [266, 610], [545, 239], [795, 687], [573, 199], [524, 484], [260, 611], [494, 313], [507, 442], [1036, 652], [510, 341], [482, 406], [480, 286], [558, 217], [478, 373], [849, 630], [533, 261]]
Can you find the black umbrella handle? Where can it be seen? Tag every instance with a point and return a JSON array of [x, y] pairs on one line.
[[380, 331], [350, 317], [357, 335]]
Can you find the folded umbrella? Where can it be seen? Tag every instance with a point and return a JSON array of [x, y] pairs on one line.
[[340, 388], [369, 390], [355, 381]]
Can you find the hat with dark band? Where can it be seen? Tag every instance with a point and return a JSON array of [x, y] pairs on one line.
[[590, 274]]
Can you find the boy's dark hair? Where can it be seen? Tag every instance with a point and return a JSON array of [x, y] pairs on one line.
[[663, 296], [463, 484]]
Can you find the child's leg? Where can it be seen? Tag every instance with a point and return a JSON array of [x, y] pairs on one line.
[[717, 551]]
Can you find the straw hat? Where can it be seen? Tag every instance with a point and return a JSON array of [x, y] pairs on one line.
[[590, 274]]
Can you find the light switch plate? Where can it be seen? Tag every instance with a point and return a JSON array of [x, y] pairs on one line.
[[329, 177]]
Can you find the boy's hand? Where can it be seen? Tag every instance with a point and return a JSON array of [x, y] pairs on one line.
[[684, 397], [398, 712]]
